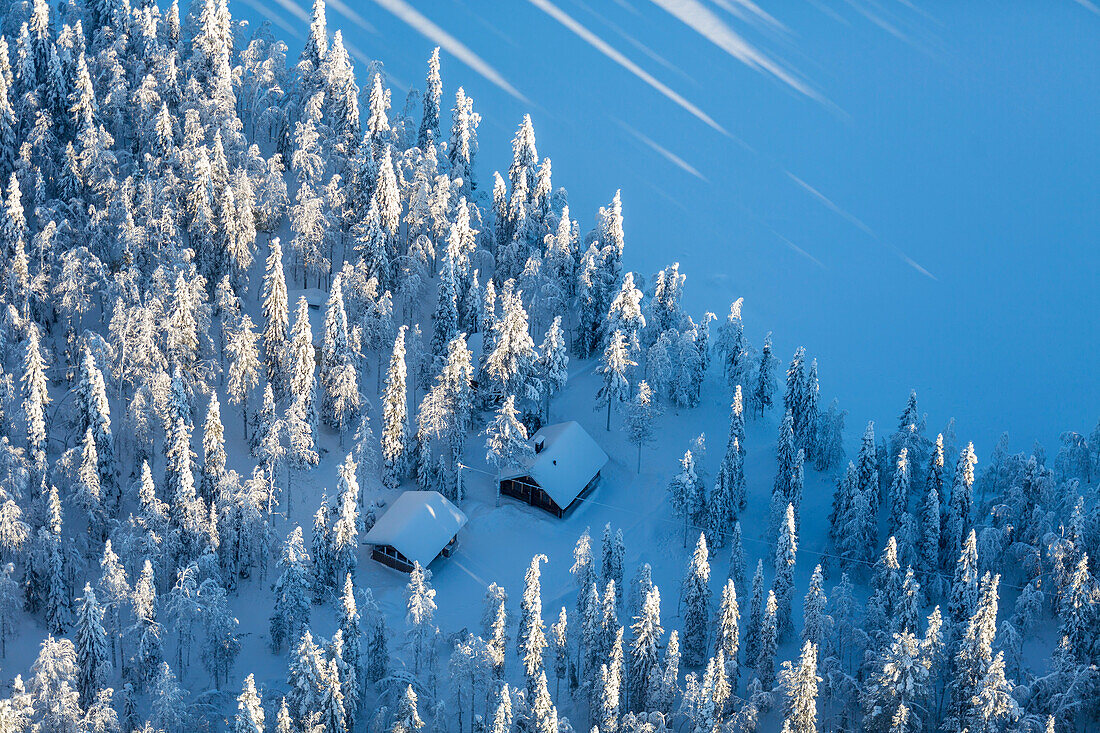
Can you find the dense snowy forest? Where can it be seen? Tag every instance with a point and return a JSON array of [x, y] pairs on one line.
[[246, 302]]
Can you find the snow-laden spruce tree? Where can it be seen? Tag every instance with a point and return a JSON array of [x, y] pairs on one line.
[[531, 639], [641, 414], [756, 615], [244, 367], [276, 317], [799, 682], [553, 364], [727, 640], [36, 397], [899, 492], [213, 452], [730, 481], [250, 710], [686, 494], [56, 703], [816, 623], [354, 675], [900, 680], [961, 508], [420, 611], [611, 568], [763, 392], [93, 414], [429, 123], [644, 649], [320, 546], [506, 444], [736, 571], [980, 695], [783, 583], [695, 601], [146, 633], [395, 416], [340, 398], [615, 366], [292, 608], [344, 537], [93, 653], [769, 639]]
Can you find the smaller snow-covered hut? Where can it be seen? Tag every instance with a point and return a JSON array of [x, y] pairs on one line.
[[418, 527], [564, 468]]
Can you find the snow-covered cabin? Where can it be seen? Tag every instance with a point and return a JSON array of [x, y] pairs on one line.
[[418, 527], [565, 467]]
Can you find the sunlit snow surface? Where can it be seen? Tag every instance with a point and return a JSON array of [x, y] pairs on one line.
[[909, 189]]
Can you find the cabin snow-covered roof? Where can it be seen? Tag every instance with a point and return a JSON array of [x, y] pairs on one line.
[[418, 524], [569, 459]]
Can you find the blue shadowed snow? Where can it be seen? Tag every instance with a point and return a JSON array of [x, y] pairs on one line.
[[908, 189]]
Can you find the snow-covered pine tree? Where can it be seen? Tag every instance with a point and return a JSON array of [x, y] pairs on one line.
[[769, 639], [816, 623], [799, 684], [250, 711], [344, 536], [756, 615], [783, 583], [36, 398], [146, 663], [531, 639], [395, 416], [794, 398], [830, 437], [301, 357], [611, 568], [763, 392], [900, 681], [899, 492], [867, 473], [785, 465], [980, 694], [686, 494], [244, 367], [961, 508], [340, 398], [320, 545], [553, 363], [53, 694], [420, 610], [736, 570], [506, 444], [221, 645], [94, 415], [806, 433], [92, 650], [964, 585], [291, 607], [644, 647], [213, 452], [727, 640], [276, 318], [559, 640], [429, 123], [54, 571], [695, 601], [88, 492], [354, 679], [615, 366], [641, 413]]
